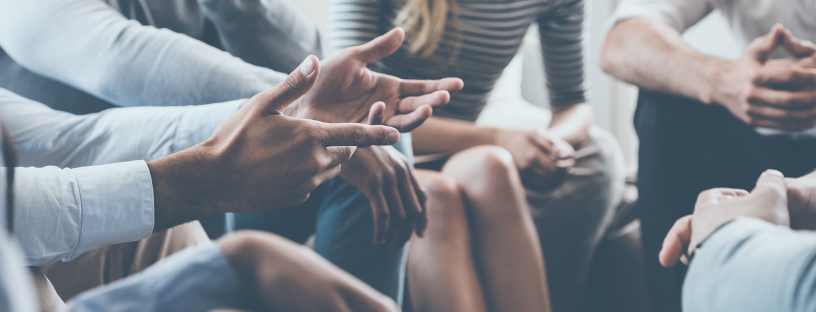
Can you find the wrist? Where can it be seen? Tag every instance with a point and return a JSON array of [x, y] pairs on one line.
[[180, 191], [717, 81]]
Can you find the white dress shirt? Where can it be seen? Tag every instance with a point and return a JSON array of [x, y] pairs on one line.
[[62, 213], [748, 19]]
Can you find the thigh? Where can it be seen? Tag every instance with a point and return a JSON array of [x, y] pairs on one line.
[[113, 262]]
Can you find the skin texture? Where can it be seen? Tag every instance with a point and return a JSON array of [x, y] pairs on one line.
[[285, 276], [258, 159], [768, 201], [779, 94], [477, 200]]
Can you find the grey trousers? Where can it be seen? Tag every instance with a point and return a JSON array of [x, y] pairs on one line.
[[573, 218]]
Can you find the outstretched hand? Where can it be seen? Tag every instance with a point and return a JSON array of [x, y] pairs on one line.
[[348, 89], [258, 159]]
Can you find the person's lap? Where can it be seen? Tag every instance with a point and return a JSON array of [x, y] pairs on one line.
[[687, 147]]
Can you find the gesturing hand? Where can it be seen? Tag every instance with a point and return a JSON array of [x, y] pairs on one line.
[[348, 89], [258, 159], [779, 94], [543, 160], [716, 207], [384, 176], [284, 276]]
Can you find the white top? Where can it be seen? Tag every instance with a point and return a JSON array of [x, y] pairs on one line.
[[62, 213], [749, 19]]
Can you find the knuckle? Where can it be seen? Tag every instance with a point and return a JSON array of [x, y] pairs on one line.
[[358, 135], [294, 82]]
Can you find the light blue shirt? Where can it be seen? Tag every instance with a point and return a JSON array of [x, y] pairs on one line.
[[751, 265], [104, 194]]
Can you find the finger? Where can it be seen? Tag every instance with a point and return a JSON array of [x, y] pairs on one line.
[[336, 155], [435, 99], [380, 209], [786, 76], [300, 81], [797, 47], [565, 163], [409, 122], [676, 242], [761, 48], [326, 175], [396, 211], [772, 183], [412, 211], [375, 114], [410, 87], [422, 219], [776, 103], [759, 121], [352, 134], [544, 143], [782, 115], [380, 47]]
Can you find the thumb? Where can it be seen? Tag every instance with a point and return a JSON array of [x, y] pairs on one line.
[[274, 101], [771, 185], [762, 47], [380, 47], [796, 47]]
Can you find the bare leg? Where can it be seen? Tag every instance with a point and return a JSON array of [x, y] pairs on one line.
[[509, 255], [441, 274]]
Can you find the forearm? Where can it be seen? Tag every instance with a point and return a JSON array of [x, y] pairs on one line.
[[440, 135], [572, 123], [752, 265], [46, 137], [120, 60], [654, 56]]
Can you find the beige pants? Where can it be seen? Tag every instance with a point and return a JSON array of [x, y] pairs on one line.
[[110, 263]]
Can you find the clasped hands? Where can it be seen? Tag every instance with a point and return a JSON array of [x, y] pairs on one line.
[[776, 94], [775, 199]]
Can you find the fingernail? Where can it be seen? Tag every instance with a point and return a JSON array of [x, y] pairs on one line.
[[307, 67], [775, 172], [393, 137]]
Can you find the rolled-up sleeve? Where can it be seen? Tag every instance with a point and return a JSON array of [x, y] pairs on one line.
[[195, 279], [751, 265], [679, 14], [62, 213]]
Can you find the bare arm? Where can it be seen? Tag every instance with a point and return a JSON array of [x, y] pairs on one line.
[[635, 47], [572, 123]]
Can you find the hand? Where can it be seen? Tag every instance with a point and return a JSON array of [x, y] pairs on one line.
[[384, 176], [802, 201], [778, 94], [284, 276], [543, 160], [348, 89], [258, 159], [716, 207]]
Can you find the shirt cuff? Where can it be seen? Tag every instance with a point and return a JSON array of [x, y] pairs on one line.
[[198, 123], [195, 279], [116, 204]]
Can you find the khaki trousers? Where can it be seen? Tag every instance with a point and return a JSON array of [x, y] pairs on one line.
[[60, 281]]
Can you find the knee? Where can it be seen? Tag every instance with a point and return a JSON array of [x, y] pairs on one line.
[[445, 206], [481, 162]]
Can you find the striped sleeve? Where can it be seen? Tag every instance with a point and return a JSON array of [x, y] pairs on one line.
[[353, 22], [562, 34]]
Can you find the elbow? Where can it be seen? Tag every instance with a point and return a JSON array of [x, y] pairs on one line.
[[611, 54]]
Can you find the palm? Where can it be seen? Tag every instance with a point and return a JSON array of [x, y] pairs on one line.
[[346, 90]]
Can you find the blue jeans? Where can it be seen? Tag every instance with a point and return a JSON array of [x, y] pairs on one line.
[[340, 217]]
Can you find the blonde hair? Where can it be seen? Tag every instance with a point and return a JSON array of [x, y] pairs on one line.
[[425, 23]]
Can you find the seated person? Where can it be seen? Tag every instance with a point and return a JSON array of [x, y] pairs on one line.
[[257, 159], [250, 270], [490, 179], [706, 122], [750, 251], [174, 69]]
